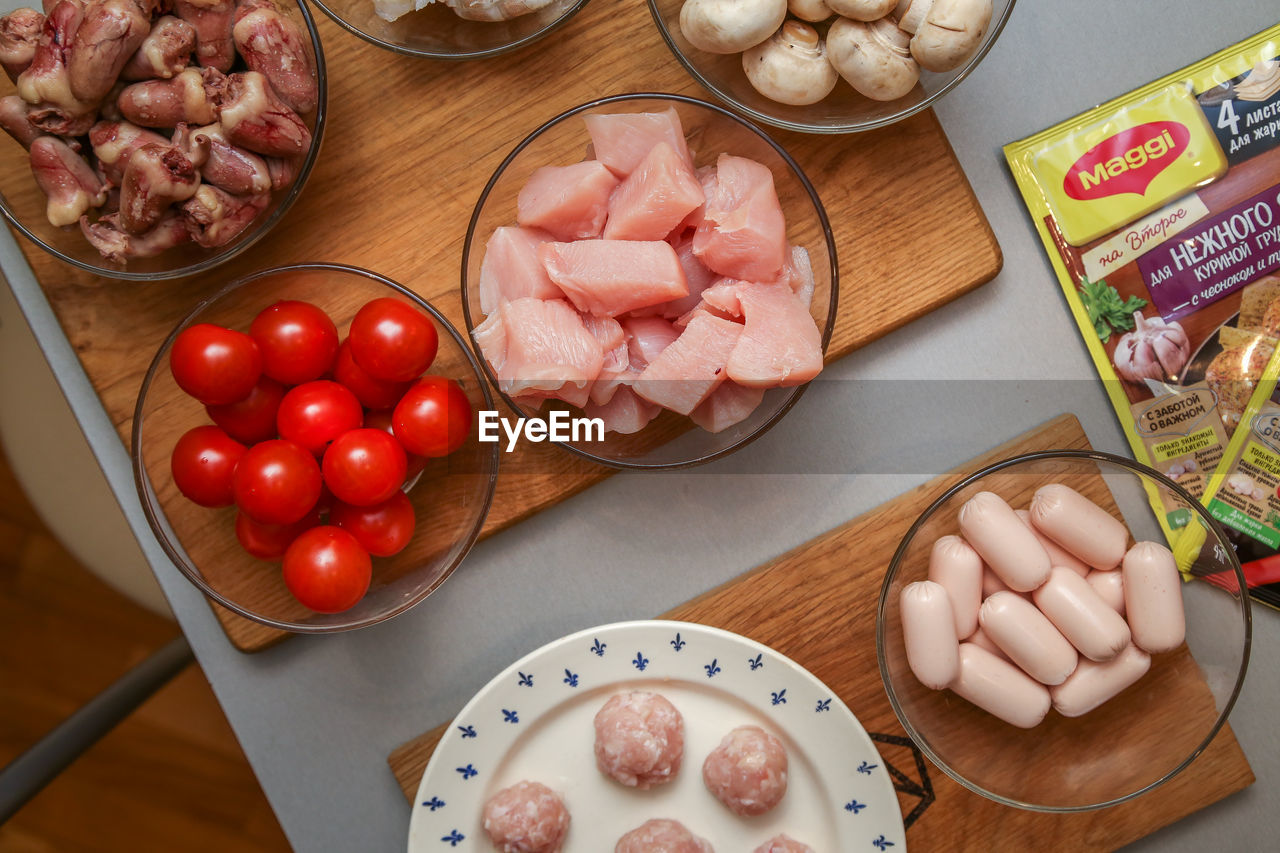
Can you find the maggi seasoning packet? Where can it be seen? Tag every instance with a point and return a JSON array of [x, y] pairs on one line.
[[1160, 213]]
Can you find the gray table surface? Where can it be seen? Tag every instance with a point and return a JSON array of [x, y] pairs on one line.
[[318, 715]]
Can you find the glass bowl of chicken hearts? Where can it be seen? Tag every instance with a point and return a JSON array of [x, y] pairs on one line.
[[334, 478], [1064, 631], [830, 66], [451, 29], [654, 274], [148, 145]]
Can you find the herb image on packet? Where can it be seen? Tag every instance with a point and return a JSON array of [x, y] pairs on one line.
[[1160, 213]]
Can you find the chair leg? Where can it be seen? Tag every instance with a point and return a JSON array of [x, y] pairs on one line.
[[28, 774]]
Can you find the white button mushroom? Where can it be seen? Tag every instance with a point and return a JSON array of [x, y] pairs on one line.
[[949, 33], [730, 26], [862, 10], [791, 67], [812, 11], [873, 57], [910, 13]]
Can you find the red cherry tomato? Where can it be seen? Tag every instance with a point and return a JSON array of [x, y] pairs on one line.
[[315, 413], [372, 393], [277, 482], [203, 462], [214, 364], [252, 419], [392, 340], [433, 418], [384, 529], [269, 541], [298, 341], [326, 569], [364, 467], [381, 419]]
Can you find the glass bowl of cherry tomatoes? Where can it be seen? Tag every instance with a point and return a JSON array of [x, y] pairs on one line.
[[305, 447]]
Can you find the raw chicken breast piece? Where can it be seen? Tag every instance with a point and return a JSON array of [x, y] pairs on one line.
[[783, 844], [799, 273], [692, 367], [654, 198], [511, 269], [542, 347], [528, 817], [647, 337], [661, 836], [570, 202], [747, 771], [697, 276], [624, 412], [639, 739], [617, 360], [612, 277], [743, 234], [711, 308], [780, 344], [729, 404], [621, 140]]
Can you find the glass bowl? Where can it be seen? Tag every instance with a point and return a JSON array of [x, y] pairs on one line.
[[23, 203], [669, 441], [1131, 744], [843, 111], [435, 32], [451, 497]]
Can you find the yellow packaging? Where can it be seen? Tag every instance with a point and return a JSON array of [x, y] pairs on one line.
[[1160, 213]]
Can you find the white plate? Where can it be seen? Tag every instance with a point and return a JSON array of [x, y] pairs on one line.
[[534, 721]]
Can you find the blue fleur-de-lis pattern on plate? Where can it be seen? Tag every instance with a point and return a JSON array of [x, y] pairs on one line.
[[872, 816]]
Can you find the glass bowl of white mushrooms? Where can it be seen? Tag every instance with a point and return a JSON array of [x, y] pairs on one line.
[[830, 66]]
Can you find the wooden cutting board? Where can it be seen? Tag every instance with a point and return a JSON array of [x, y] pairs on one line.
[[817, 606], [408, 147]]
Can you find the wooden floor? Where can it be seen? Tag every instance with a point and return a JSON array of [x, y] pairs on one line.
[[171, 777]]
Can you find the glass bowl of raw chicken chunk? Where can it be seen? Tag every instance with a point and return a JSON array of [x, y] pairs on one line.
[[654, 275], [147, 143], [1100, 628], [451, 29]]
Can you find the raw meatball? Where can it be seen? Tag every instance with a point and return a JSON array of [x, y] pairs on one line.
[[639, 739], [661, 836], [747, 771], [783, 844], [528, 817]]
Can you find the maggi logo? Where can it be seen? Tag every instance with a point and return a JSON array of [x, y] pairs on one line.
[[1126, 162]]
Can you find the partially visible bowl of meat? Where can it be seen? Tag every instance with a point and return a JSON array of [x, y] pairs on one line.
[[451, 29], [655, 269], [158, 144]]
